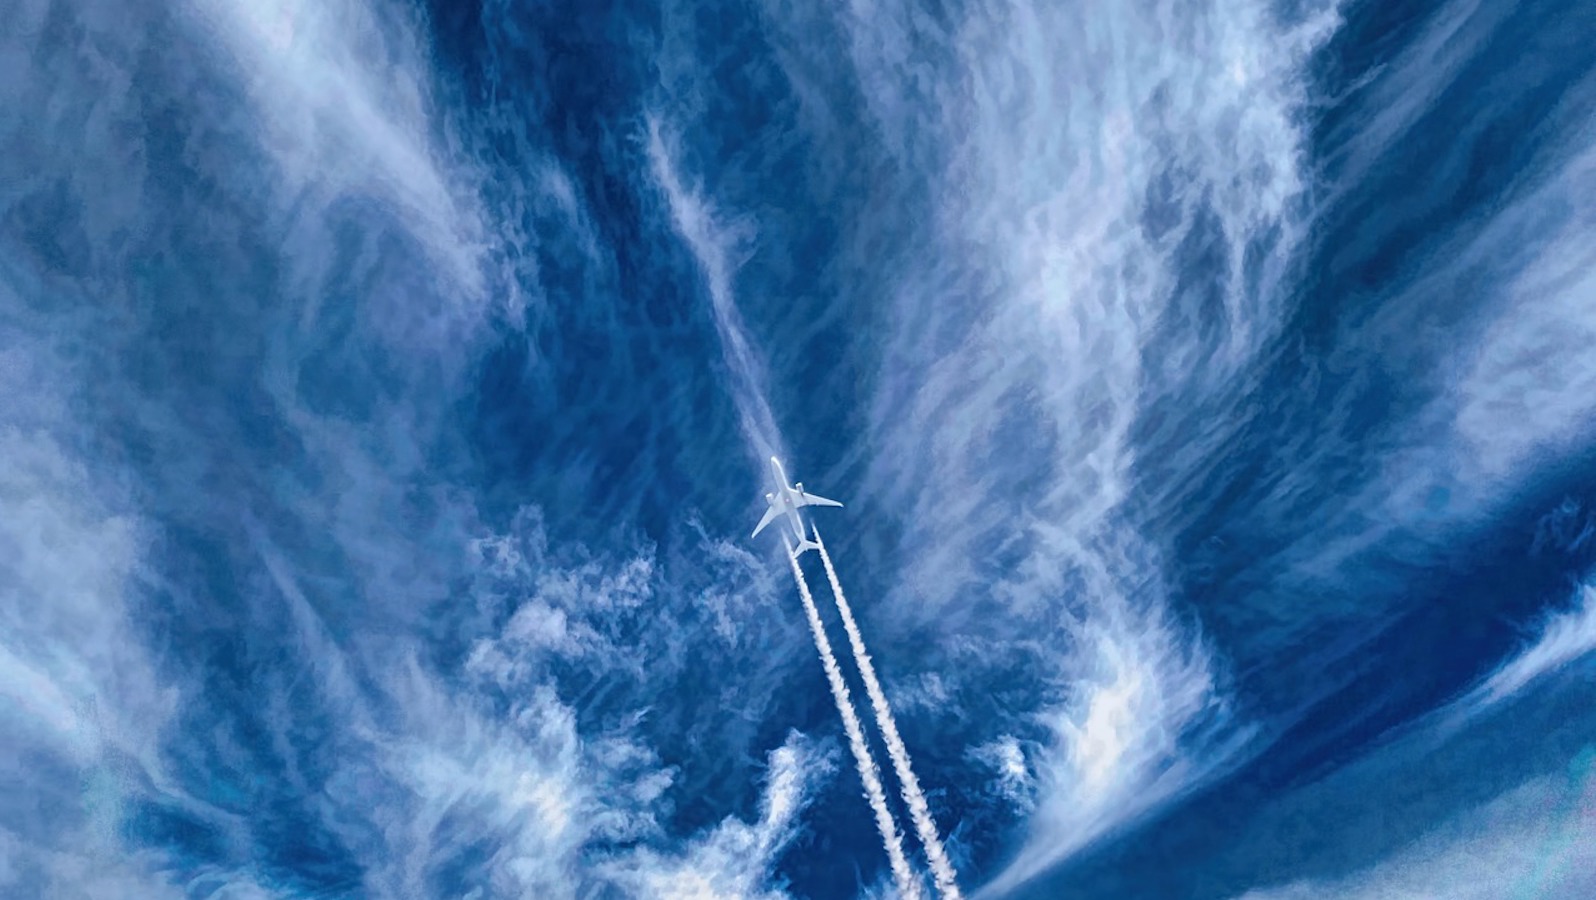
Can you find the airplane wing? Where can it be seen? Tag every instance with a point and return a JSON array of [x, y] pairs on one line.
[[770, 516], [808, 499]]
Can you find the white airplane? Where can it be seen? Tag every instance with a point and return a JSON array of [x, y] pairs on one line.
[[788, 500]]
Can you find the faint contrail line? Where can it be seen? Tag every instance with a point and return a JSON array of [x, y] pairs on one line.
[[908, 885], [925, 826]]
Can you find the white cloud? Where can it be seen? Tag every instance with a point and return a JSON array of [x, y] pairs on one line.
[[83, 869], [1047, 217], [927, 691], [539, 794], [411, 766], [343, 105], [433, 773], [1013, 779], [1486, 328], [718, 244], [1142, 723], [1564, 637], [1076, 152], [741, 590], [1535, 841], [734, 859], [1406, 87], [1534, 366], [77, 687], [517, 787]]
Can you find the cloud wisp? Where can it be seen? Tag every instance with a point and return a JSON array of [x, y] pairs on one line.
[[716, 247], [242, 305], [1470, 810], [733, 861], [1532, 843], [1111, 231], [1565, 637], [492, 768]]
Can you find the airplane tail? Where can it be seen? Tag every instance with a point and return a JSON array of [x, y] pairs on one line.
[[810, 541]]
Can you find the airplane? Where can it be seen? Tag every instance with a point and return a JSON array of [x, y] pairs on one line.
[[788, 500]]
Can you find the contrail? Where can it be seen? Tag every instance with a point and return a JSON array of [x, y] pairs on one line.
[[716, 246], [908, 886], [941, 866]]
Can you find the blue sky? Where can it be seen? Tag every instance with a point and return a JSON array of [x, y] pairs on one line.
[[388, 389]]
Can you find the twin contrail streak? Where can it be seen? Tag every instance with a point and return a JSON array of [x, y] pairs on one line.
[[925, 826], [908, 886]]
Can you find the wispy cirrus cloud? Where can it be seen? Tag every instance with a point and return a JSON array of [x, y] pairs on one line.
[[253, 594], [79, 692], [733, 860], [1532, 842], [498, 769], [718, 244], [343, 106], [1565, 636], [1471, 812], [1051, 308]]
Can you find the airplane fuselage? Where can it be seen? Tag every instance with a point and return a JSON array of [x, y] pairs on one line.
[[788, 498], [785, 501]]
